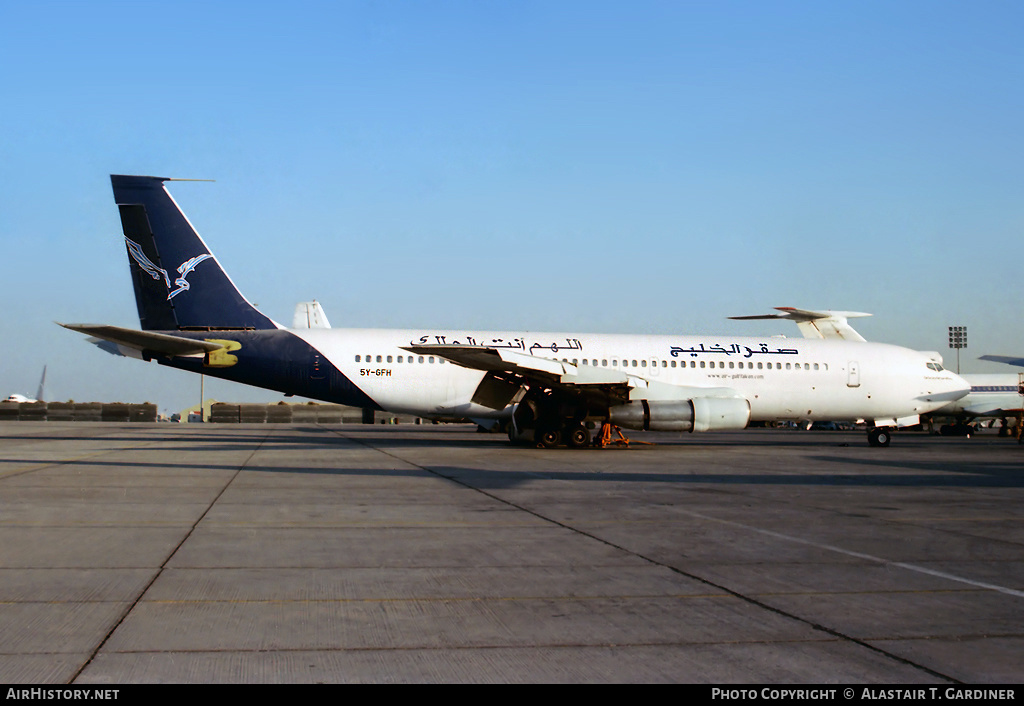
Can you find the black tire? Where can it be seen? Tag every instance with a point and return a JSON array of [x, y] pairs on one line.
[[578, 437], [879, 437], [549, 438]]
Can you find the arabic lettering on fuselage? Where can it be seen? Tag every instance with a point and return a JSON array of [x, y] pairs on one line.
[[731, 349], [519, 344]]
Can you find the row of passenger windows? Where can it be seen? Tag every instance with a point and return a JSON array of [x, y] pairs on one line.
[[391, 359], [732, 364], [633, 363]]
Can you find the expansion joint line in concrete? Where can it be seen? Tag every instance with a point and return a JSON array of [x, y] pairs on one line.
[[167, 559], [743, 597]]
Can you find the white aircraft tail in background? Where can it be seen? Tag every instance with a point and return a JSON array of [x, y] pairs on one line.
[[40, 396], [310, 315]]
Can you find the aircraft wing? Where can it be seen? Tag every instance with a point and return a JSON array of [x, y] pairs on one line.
[[1009, 360], [529, 366], [597, 383], [816, 324], [144, 340]]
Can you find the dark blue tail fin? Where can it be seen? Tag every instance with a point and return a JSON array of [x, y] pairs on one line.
[[179, 285]]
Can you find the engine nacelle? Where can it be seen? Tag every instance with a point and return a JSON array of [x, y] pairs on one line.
[[697, 414]]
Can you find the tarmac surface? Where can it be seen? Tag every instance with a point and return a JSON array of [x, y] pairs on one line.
[[137, 553]]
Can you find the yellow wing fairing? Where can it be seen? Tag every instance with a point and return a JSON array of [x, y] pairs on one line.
[[221, 357]]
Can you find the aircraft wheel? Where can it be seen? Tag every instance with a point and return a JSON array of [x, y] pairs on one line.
[[879, 437], [549, 438], [579, 437]]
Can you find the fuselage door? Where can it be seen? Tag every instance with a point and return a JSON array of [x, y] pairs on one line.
[[853, 374]]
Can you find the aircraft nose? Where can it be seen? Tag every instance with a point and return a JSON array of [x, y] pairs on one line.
[[941, 390], [957, 387]]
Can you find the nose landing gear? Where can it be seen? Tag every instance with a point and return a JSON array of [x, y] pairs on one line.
[[879, 436]]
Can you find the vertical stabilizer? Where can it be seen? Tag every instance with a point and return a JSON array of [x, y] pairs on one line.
[[179, 284], [42, 385], [310, 315]]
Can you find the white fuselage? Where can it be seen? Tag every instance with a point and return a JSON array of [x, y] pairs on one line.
[[781, 378], [991, 395]]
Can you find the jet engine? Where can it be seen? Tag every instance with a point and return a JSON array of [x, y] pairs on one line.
[[696, 414]]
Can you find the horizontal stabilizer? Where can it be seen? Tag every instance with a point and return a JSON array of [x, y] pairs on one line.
[[146, 340], [816, 324]]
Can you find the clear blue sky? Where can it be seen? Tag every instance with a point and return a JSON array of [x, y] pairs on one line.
[[642, 167]]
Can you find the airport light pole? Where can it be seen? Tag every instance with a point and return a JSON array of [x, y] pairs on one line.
[[957, 340]]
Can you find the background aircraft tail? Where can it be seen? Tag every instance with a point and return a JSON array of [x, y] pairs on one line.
[[179, 284], [42, 385]]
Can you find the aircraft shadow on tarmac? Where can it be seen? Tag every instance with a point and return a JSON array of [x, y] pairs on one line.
[[983, 476]]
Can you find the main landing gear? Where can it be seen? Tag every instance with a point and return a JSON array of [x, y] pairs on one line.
[[574, 435]]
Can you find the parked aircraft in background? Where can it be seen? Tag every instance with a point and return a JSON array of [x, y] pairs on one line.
[[39, 392], [546, 386], [992, 396]]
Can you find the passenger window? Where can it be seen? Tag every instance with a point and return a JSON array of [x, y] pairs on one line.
[[430, 360], [389, 359], [357, 359], [379, 359], [421, 359]]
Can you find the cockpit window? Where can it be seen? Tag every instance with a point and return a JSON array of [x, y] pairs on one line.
[[935, 366]]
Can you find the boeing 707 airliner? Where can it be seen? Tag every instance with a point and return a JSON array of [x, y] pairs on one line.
[[549, 388]]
